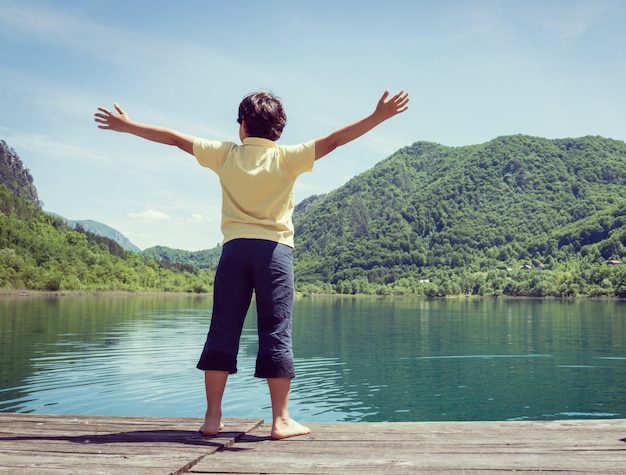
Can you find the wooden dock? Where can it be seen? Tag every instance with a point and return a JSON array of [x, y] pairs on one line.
[[53, 444]]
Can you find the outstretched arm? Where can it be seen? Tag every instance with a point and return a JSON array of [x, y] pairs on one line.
[[385, 109], [120, 122]]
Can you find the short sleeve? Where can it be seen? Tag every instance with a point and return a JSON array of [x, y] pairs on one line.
[[211, 153], [299, 158]]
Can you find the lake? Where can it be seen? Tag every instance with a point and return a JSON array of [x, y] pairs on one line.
[[357, 359]]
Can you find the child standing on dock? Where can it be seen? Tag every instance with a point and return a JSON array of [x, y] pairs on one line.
[[257, 180]]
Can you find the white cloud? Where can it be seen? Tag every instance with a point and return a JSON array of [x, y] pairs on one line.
[[150, 216], [201, 218]]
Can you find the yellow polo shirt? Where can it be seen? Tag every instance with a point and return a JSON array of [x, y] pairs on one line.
[[257, 180]]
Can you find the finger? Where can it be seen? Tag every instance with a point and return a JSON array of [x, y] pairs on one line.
[[402, 99], [118, 108], [400, 96], [403, 102]]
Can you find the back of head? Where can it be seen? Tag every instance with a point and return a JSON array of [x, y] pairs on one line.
[[264, 115]]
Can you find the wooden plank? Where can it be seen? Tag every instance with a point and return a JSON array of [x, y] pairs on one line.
[[51, 444], [590, 446]]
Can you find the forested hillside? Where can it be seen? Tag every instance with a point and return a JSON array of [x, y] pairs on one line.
[[441, 220], [518, 216], [206, 259], [40, 252]]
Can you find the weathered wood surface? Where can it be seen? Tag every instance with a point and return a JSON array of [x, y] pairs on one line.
[[569, 447], [49, 444]]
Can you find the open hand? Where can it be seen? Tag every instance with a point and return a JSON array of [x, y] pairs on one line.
[[397, 104], [110, 120]]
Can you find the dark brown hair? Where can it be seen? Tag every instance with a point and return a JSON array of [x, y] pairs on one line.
[[264, 115]]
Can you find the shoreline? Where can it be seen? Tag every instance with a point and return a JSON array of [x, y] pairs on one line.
[[96, 293], [298, 295]]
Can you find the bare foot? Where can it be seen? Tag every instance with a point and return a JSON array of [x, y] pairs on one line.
[[283, 428], [211, 426], [210, 430]]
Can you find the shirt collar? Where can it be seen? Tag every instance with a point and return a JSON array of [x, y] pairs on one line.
[[259, 141]]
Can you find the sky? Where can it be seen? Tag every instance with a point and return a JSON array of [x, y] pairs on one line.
[[475, 69]]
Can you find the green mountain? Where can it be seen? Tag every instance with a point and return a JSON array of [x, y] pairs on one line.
[[39, 251], [518, 216], [432, 212], [19, 182]]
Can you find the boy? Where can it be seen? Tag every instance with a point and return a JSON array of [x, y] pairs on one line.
[[257, 180]]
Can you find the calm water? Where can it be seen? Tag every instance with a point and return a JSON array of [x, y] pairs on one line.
[[357, 359]]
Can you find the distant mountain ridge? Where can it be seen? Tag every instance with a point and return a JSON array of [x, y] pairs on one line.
[[101, 229]]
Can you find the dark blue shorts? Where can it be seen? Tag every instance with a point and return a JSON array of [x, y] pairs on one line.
[[265, 268]]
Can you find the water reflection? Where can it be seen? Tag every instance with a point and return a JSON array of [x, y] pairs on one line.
[[357, 359]]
